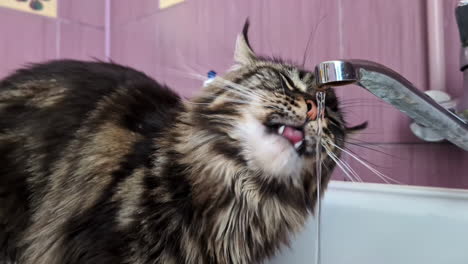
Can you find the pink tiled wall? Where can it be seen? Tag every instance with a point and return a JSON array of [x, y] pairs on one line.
[[77, 33], [198, 35]]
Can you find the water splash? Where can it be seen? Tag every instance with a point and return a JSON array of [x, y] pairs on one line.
[[318, 153]]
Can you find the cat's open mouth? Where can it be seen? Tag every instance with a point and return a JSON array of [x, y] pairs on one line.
[[295, 135]]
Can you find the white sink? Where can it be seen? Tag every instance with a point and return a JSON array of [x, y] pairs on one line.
[[386, 224]]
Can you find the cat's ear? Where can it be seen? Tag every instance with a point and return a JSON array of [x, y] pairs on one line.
[[244, 53]]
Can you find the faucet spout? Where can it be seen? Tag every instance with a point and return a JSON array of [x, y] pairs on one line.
[[396, 90]]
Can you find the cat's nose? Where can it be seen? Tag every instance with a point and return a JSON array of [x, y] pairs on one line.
[[312, 110]]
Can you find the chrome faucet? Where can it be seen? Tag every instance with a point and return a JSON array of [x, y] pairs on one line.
[[399, 92], [449, 124]]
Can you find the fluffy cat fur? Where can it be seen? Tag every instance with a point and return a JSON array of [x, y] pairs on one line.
[[101, 164]]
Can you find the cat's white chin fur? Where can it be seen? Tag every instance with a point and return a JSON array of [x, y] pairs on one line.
[[269, 153]]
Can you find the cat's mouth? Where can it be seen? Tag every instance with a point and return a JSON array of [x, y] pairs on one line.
[[295, 135]]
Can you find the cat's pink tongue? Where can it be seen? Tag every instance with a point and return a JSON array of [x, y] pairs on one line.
[[292, 134]]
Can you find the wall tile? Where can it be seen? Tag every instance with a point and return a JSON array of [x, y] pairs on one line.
[[136, 45], [124, 11], [198, 36], [79, 41], [89, 12], [26, 38]]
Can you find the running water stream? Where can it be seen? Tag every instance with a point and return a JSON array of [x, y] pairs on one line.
[[318, 151]]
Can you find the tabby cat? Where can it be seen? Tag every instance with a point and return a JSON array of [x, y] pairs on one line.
[[101, 164]]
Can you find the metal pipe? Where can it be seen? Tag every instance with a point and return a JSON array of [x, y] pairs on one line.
[[399, 92], [461, 14], [435, 41]]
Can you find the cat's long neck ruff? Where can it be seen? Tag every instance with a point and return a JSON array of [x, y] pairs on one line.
[[235, 214]]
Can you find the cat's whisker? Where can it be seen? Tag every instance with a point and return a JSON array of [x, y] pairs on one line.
[[330, 154], [347, 106], [358, 99], [376, 145], [338, 160], [361, 102], [350, 101], [366, 147], [360, 145], [361, 161], [359, 140], [356, 175], [192, 68], [356, 108], [366, 160], [241, 95], [343, 163], [237, 100], [228, 101], [229, 87], [384, 177], [239, 88], [193, 76], [233, 87], [249, 102]]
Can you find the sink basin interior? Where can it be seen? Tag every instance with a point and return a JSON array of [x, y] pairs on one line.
[[386, 224]]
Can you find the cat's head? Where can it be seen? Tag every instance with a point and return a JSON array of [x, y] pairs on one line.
[[265, 112]]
